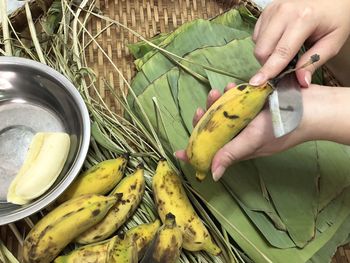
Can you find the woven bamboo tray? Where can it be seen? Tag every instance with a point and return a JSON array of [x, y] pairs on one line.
[[147, 18]]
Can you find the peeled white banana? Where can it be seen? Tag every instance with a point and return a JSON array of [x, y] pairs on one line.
[[44, 162]]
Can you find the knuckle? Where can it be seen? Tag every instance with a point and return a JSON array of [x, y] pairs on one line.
[[305, 13], [283, 52], [228, 157], [260, 53]]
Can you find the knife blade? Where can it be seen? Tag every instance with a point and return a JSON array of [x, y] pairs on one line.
[[285, 102]]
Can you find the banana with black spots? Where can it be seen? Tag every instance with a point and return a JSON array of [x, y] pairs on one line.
[[129, 192], [62, 225], [166, 246], [142, 235], [99, 179], [170, 197], [232, 112]]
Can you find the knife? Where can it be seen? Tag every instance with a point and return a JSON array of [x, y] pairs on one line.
[[285, 102]]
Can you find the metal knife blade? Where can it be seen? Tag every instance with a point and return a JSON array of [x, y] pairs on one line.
[[285, 103]]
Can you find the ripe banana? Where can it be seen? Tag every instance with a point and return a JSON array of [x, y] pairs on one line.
[[100, 252], [224, 120], [58, 228], [93, 253], [124, 251], [166, 246], [99, 179], [142, 235], [44, 162], [130, 191], [170, 197]]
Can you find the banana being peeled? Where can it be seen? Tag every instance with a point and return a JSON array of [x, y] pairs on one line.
[[129, 191], [44, 162], [223, 121], [170, 197], [99, 179], [62, 225], [166, 246], [143, 235]]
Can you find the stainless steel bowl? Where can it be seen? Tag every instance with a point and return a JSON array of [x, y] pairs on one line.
[[33, 98]]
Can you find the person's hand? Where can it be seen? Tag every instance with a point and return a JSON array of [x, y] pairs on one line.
[[285, 25], [325, 117]]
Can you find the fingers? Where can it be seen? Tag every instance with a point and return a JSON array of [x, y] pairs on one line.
[[284, 51], [268, 37], [181, 155], [327, 47], [232, 152], [230, 86], [197, 116], [213, 96]]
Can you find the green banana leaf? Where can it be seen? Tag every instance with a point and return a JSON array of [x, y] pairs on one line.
[[291, 179], [160, 92], [325, 254], [140, 49], [335, 172], [240, 18], [181, 44]]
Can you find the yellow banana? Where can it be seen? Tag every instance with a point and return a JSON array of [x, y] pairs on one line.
[[100, 252], [93, 253], [124, 251], [130, 191], [44, 162], [142, 235], [99, 179], [166, 246], [223, 121], [58, 228], [170, 197]]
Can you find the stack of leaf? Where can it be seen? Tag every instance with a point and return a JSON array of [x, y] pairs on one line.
[[291, 207]]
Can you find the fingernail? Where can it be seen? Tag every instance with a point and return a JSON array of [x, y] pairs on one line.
[[308, 78], [174, 153], [217, 174], [258, 79]]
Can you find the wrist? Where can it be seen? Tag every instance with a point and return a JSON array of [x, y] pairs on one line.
[[326, 114]]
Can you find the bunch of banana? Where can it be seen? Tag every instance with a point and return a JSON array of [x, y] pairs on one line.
[[44, 162], [94, 253], [129, 192], [166, 246], [142, 235], [124, 251], [224, 120], [99, 179], [170, 197], [63, 224], [99, 252]]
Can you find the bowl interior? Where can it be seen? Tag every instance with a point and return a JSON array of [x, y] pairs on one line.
[[34, 98]]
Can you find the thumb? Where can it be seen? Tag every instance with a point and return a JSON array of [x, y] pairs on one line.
[[327, 47], [232, 152]]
